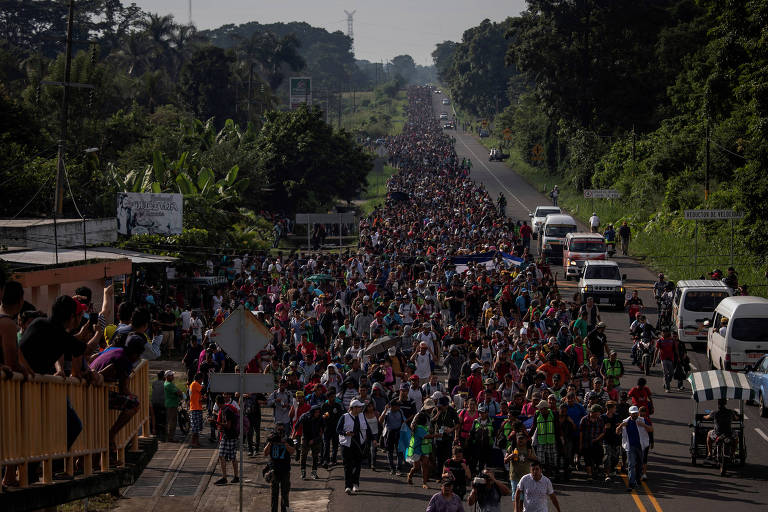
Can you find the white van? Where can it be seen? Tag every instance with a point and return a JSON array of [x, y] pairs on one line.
[[552, 237], [743, 338], [693, 304]]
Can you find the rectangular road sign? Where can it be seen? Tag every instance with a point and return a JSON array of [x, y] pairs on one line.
[[712, 214], [601, 194], [325, 218]]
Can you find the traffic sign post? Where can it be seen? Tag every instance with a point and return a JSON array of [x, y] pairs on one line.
[[241, 336], [601, 193], [537, 153], [697, 215]]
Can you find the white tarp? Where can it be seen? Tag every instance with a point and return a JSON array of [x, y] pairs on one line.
[[155, 214]]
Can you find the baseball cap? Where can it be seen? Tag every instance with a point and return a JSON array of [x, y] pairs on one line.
[[475, 366], [169, 373], [356, 403], [634, 409]]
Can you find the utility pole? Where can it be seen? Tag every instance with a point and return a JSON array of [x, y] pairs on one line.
[[633, 144], [250, 98], [338, 125], [59, 197], [706, 167]]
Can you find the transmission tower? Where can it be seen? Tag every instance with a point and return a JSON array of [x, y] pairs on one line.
[[189, 11], [350, 32]]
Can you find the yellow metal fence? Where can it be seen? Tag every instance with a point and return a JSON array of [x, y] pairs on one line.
[[33, 422]]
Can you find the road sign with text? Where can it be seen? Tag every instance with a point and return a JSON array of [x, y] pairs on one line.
[[713, 214], [601, 194]]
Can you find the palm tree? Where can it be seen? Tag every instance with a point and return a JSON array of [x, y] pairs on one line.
[[272, 54], [159, 30]]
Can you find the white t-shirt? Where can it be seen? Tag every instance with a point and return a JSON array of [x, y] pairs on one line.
[[197, 327], [185, 318], [423, 366], [536, 494], [216, 301]]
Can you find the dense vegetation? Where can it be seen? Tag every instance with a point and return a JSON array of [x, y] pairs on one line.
[[626, 94], [169, 111]]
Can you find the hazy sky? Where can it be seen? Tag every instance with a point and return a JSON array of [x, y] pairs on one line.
[[382, 28]]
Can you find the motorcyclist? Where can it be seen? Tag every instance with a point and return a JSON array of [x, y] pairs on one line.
[[723, 418], [665, 305], [641, 330]]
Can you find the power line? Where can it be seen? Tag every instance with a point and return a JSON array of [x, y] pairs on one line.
[[729, 151], [33, 197]]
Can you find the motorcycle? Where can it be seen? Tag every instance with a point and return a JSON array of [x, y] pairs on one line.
[[645, 347], [611, 247]]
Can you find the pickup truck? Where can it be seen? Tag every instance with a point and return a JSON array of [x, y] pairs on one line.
[[496, 155]]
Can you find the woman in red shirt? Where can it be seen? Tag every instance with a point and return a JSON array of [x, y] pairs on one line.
[[641, 395]]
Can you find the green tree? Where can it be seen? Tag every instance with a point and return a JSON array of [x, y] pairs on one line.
[[205, 83], [405, 66], [442, 56], [306, 164]]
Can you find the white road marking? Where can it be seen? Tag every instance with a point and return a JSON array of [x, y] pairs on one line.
[[494, 176], [745, 416], [762, 434]]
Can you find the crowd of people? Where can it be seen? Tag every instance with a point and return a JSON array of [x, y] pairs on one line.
[[413, 357], [409, 356]]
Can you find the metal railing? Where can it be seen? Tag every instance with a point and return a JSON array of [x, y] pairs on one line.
[[33, 422]]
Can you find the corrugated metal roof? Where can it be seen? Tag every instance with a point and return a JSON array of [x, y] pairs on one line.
[[42, 257]]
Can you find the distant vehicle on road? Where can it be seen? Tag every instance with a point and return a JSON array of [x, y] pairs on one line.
[[448, 126], [438, 91], [693, 304], [446, 101], [539, 216], [443, 115], [602, 281], [496, 155], [758, 379], [580, 247], [737, 335], [552, 238]]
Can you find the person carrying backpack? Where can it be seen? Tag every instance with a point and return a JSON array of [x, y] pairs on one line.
[[228, 422]]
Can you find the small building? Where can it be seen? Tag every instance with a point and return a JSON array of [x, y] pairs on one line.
[[68, 232]]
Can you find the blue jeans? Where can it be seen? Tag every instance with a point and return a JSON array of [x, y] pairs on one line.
[[634, 461]]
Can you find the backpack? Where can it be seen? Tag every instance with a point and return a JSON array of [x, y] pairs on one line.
[[234, 432]]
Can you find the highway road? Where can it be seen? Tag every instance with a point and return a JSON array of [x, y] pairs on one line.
[[673, 483]]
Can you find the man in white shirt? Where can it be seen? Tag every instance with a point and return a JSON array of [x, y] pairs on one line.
[[594, 222], [423, 359], [533, 490], [197, 327], [428, 337], [186, 317], [216, 300], [408, 311]]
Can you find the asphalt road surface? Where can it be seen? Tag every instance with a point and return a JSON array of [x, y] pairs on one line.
[[673, 483]]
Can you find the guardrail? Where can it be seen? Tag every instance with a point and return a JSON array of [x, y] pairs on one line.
[[33, 422]]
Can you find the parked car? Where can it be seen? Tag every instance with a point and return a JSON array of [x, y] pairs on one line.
[[484, 133], [757, 376]]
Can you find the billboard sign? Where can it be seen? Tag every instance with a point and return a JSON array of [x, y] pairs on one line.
[[153, 214], [301, 91]]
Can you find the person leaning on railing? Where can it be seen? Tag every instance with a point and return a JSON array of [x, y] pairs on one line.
[[116, 365], [48, 342]]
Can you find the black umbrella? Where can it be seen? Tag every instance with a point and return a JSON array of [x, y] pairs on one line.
[[382, 344]]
